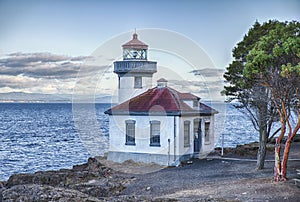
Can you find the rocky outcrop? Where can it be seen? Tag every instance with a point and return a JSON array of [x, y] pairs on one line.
[[64, 177], [44, 193], [81, 183]]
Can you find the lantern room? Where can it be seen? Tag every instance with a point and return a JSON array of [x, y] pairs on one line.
[[135, 49]]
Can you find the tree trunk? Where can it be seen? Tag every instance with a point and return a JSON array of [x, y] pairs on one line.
[[277, 167], [261, 153], [287, 149], [263, 135], [285, 159]]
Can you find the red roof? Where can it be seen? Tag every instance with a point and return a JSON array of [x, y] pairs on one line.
[[162, 101], [162, 80], [188, 96], [135, 43]]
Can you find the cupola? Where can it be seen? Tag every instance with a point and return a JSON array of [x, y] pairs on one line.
[[162, 83]]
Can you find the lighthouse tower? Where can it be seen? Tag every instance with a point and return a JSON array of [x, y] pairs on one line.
[[134, 71]]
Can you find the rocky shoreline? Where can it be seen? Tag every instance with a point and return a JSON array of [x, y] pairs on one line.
[[86, 182], [95, 181]]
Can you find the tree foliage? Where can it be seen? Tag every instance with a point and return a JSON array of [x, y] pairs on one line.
[[253, 98], [274, 63]]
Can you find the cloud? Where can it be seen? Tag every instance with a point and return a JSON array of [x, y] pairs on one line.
[[52, 73], [20, 59], [46, 72], [81, 58], [45, 65], [17, 82], [209, 89], [208, 72]]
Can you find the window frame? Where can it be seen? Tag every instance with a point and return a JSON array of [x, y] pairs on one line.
[[186, 133], [154, 136], [138, 82], [130, 128], [195, 103], [206, 132]]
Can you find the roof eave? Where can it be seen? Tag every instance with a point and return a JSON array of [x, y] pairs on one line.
[[135, 113], [171, 113]]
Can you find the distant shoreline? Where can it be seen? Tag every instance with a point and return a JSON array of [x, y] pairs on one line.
[[51, 102]]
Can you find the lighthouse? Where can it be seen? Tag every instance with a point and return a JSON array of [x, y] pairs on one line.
[[134, 72], [155, 124]]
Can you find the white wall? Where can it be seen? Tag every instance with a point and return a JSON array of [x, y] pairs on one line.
[[142, 134], [127, 90], [182, 149], [208, 146]]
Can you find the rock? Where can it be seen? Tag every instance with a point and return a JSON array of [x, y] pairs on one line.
[[100, 187], [91, 178], [44, 193], [80, 173], [2, 189], [245, 150], [131, 198]]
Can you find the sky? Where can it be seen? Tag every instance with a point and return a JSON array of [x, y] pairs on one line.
[[43, 44]]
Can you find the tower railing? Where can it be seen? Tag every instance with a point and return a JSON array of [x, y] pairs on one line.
[[132, 66]]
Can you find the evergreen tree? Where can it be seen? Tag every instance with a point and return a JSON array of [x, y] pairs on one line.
[[274, 63], [253, 99]]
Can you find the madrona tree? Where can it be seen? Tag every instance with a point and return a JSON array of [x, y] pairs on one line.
[[274, 64], [252, 98]]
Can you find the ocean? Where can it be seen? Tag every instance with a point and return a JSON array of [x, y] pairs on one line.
[[51, 136]]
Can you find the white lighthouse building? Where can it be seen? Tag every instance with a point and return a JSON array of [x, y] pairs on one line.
[[155, 125], [135, 71]]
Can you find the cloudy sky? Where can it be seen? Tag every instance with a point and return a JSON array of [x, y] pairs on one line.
[[45, 44]]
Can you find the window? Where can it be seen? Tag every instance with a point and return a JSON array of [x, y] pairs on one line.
[[130, 132], [138, 82], [197, 128], [207, 124], [155, 133], [186, 133], [195, 103]]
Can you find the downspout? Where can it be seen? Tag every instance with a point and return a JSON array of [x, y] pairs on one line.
[[169, 148], [175, 138]]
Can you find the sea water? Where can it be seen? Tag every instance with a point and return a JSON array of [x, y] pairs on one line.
[[51, 136]]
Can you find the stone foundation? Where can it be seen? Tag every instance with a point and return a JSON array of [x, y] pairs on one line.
[[160, 159]]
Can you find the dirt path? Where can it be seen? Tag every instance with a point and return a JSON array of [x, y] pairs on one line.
[[217, 180]]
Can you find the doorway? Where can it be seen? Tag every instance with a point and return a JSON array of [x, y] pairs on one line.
[[197, 135]]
